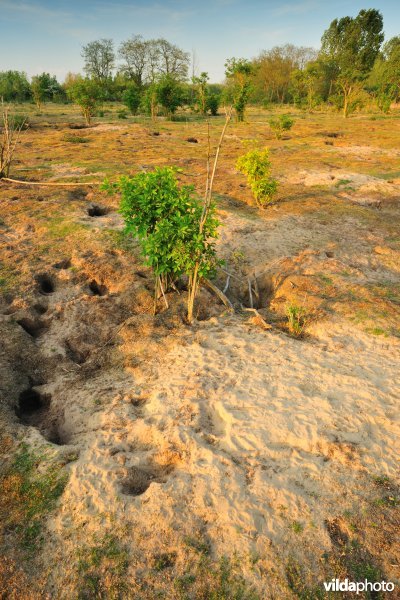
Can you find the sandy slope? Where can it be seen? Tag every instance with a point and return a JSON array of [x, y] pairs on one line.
[[236, 433]]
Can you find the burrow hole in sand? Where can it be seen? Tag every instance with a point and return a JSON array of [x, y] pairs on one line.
[[140, 478], [98, 289], [95, 210], [34, 409], [34, 327], [46, 284]]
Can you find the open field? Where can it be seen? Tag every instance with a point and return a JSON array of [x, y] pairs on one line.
[[240, 457]]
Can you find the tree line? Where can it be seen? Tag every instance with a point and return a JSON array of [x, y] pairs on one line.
[[352, 67]]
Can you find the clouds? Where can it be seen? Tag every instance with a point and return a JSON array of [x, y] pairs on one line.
[[30, 9]]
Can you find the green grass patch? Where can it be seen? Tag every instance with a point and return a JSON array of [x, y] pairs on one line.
[[29, 490], [75, 139], [102, 568]]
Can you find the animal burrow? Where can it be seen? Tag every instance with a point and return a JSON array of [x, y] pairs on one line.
[[76, 352], [46, 284], [192, 140], [138, 479], [34, 327], [261, 294], [98, 289], [65, 263], [40, 308], [33, 409], [95, 210]]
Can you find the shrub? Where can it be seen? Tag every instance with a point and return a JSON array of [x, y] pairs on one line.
[[169, 94], [213, 104], [122, 114], [20, 121], [131, 98], [87, 94], [281, 124], [74, 139], [297, 319], [166, 218], [256, 165]]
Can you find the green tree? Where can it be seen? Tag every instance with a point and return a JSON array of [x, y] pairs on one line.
[[213, 102], [274, 69], [45, 87], [135, 55], [239, 73], [200, 85], [391, 53], [99, 59], [149, 101], [256, 165], [14, 86], [353, 45], [87, 93], [165, 217], [169, 94], [132, 97]]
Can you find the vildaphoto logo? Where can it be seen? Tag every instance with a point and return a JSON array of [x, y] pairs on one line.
[[336, 585]]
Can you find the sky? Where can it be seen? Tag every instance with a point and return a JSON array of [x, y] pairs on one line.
[[45, 35]]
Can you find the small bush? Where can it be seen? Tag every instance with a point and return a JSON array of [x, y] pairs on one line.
[[165, 217], [122, 114], [75, 139], [256, 165], [297, 319], [132, 98], [20, 121], [212, 104], [281, 124]]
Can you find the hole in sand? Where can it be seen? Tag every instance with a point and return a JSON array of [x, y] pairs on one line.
[[32, 327], [46, 284], [138, 401], [63, 264], [33, 409], [97, 211], [98, 289], [40, 308], [192, 140], [139, 479], [74, 352], [29, 402]]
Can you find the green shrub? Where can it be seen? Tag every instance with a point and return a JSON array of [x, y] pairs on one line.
[[87, 93], [280, 124], [165, 218], [213, 104], [74, 139], [131, 98], [297, 319], [122, 114], [256, 165], [19, 122]]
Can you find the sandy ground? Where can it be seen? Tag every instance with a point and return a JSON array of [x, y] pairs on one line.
[[249, 440]]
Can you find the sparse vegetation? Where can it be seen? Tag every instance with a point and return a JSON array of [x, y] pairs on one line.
[[280, 124], [297, 319], [102, 568], [30, 487], [256, 165]]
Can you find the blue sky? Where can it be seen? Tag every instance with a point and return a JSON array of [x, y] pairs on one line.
[[41, 35]]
